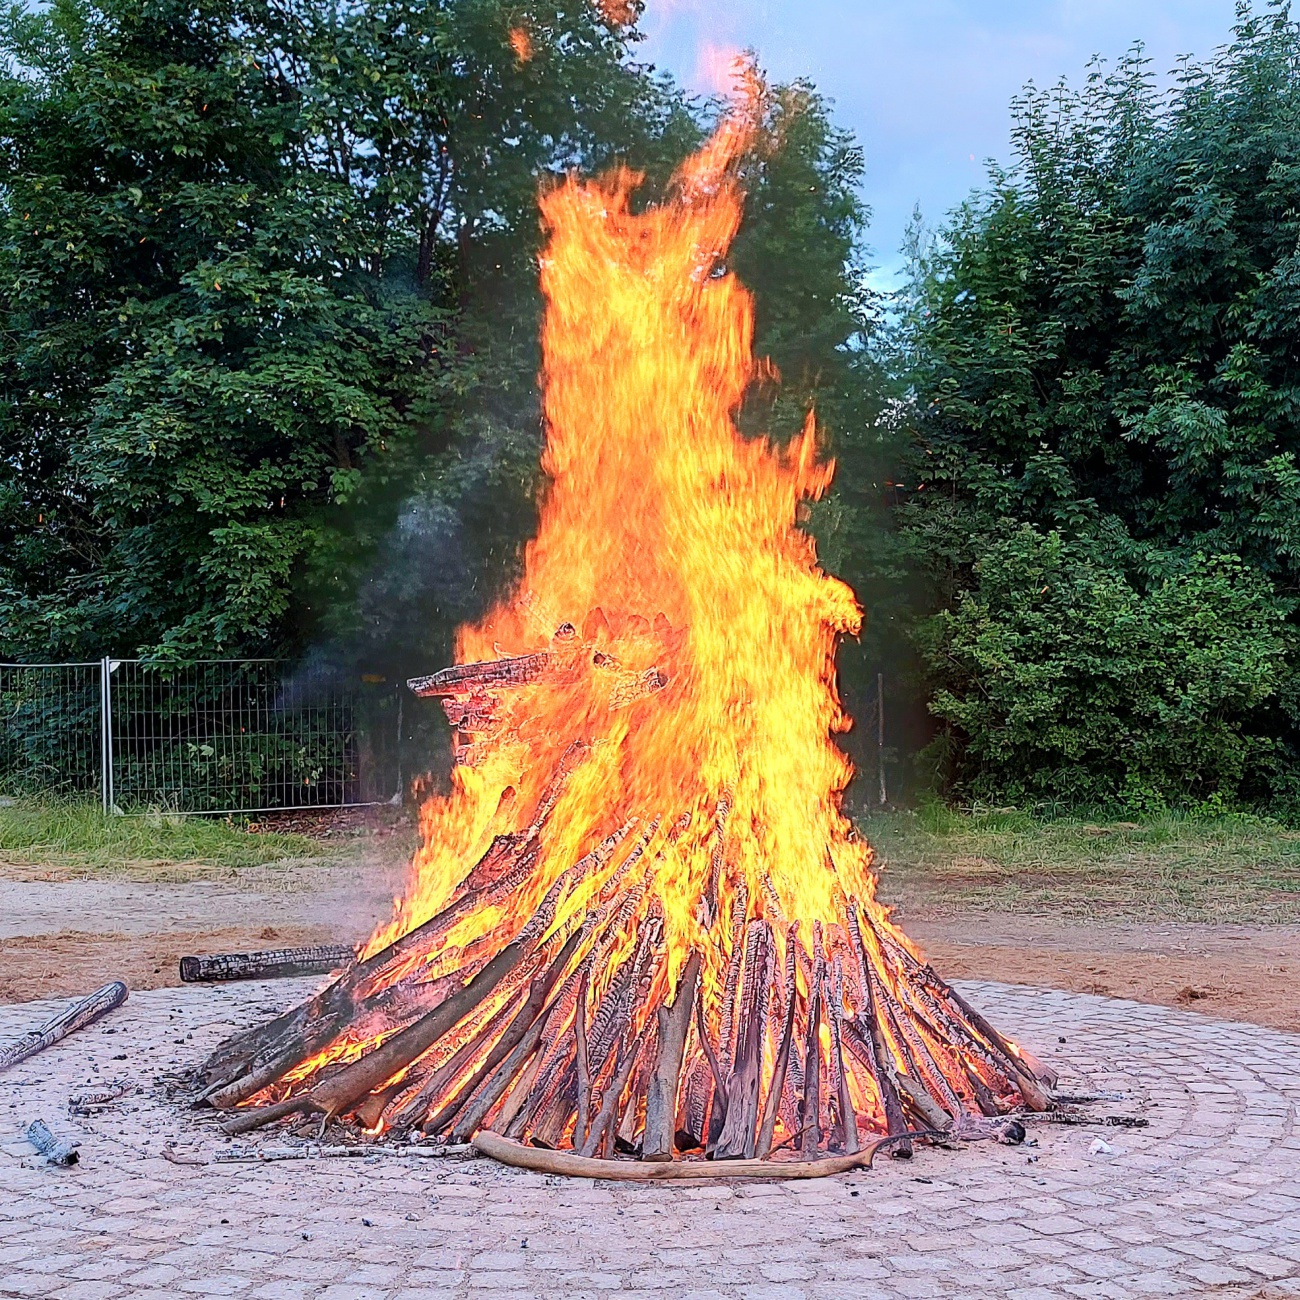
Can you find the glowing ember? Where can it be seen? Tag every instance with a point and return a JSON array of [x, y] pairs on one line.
[[640, 921], [521, 43]]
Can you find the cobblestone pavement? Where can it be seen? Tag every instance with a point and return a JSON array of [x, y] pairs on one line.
[[1205, 1201]]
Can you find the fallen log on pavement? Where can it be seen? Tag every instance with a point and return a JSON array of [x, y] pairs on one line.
[[545, 1161], [273, 964], [77, 1016]]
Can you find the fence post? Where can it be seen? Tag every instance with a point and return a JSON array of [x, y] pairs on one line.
[[880, 735], [106, 666]]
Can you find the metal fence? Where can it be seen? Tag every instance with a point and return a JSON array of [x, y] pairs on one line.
[[203, 736]]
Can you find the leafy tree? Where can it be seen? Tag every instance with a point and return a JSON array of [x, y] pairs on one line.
[[1075, 686], [259, 261], [1105, 345], [195, 360]]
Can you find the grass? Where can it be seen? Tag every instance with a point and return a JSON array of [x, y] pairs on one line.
[[73, 837], [1170, 868]]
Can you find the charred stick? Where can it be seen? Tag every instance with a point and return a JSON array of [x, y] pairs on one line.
[[984, 1099], [518, 1094], [839, 1075], [609, 1102], [538, 992], [412, 1096], [719, 1082], [275, 963], [583, 1066], [767, 1126], [334, 1095], [736, 1141], [462, 679], [523, 1056], [1033, 1095], [661, 1096], [695, 1102], [709, 903], [76, 1016], [727, 1024], [1022, 1070], [873, 1035], [811, 1118]]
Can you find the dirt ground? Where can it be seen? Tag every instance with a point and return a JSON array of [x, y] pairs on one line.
[[63, 933]]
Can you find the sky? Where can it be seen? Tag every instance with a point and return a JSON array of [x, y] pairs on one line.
[[925, 85]]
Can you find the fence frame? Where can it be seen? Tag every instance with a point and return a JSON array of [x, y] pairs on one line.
[[108, 747]]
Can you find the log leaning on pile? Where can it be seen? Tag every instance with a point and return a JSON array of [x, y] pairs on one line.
[[535, 1041]]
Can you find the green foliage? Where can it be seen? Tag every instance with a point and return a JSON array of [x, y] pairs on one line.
[[1061, 680], [195, 361], [1105, 345], [257, 263]]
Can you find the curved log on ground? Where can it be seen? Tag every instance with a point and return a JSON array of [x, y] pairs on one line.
[[542, 1161]]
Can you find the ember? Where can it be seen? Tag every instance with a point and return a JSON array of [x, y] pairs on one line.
[[640, 924]]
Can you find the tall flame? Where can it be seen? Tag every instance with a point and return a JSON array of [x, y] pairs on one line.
[[669, 544], [646, 806]]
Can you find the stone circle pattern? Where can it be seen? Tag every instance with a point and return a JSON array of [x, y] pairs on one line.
[[1203, 1202]]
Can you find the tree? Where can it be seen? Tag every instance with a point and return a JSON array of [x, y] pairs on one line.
[[259, 260], [196, 361], [1105, 345], [1074, 685]]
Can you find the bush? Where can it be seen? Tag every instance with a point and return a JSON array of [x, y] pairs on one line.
[[1061, 676]]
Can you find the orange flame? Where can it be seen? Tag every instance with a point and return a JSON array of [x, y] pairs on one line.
[[522, 44], [669, 545], [619, 13]]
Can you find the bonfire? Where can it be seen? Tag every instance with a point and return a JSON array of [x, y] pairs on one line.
[[640, 930]]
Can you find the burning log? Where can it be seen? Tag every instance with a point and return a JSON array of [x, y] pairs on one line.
[[77, 1016], [736, 1140], [655, 799], [661, 1095], [276, 963], [464, 679]]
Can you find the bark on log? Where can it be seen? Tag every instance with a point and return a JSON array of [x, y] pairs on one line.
[[811, 1135], [519, 1058], [661, 1096], [421, 1084], [334, 1095], [736, 1140], [275, 963], [873, 1035], [1034, 1097], [844, 1100], [771, 1108], [543, 1161], [528, 1016], [461, 679], [583, 1065], [604, 1120], [77, 1016]]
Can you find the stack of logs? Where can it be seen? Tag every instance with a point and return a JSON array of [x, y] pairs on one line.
[[573, 1037]]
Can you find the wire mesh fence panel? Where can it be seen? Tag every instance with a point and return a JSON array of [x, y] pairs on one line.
[[50, 729], [242, 735]]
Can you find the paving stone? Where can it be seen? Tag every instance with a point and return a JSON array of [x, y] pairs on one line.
[[1202, 1201]]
